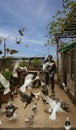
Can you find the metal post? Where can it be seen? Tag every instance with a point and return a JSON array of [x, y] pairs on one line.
[[4, 48]]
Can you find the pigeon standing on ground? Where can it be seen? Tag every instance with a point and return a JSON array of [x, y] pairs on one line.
[[44, 101], [67, 124], [30, 119], [36, 95], [34, 108], [45, 91]]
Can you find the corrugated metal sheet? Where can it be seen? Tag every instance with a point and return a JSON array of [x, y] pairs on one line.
[[67, 47]]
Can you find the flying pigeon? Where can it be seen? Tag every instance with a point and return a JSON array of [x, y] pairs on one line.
[[27, 82], [21, 31], [55, 106], [29, 100], [67, 124], [18, 41], [13, 51], [45, 65]]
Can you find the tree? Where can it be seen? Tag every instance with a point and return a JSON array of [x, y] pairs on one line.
[[61, 20]]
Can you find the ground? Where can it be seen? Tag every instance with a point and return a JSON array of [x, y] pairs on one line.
[[41, 118]]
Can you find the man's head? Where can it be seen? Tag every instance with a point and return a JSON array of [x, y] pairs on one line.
[[49, 57]]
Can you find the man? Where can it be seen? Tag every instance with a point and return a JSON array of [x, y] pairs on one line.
[[49, 72]]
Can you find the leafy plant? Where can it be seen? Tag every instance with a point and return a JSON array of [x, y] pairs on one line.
[[36, 62]]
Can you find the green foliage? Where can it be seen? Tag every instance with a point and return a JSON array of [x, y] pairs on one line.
[[61, 19], [6, 73], [23, 64], [36, 62]]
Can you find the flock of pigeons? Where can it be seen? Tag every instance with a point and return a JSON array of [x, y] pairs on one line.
[[55, 105]]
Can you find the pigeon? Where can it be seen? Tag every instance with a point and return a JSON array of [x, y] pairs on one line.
[[10, 112], [45, 65], [29, 100], [67, 124], [65, 106], [27, 82], [49, 111], [55, 107], [18, 41], [45, 91], [44, 101], [14, 117], [21, 31], [36, 95], [34, 108], [30, 119], [23, 96]]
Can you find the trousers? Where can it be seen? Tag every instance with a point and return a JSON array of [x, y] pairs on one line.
[[51, 79]]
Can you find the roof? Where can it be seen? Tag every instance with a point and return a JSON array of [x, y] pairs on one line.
[[67, 47]]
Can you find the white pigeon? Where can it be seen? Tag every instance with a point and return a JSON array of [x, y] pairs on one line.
[[5, 84], [67, 124], [28, 82], [55, 107], [45, 65], [14, 117], [16, 65]]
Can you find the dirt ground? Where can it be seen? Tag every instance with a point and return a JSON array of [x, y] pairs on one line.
[[41, 118]]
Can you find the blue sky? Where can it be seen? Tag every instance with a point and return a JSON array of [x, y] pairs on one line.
[[34, 15]]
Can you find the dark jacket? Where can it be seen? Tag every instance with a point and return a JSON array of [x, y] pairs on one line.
[[50, 69]]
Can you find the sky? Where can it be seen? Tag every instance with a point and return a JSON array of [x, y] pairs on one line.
[[34, 16]]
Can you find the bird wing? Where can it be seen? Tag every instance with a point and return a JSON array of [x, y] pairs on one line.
[[52, 103]]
